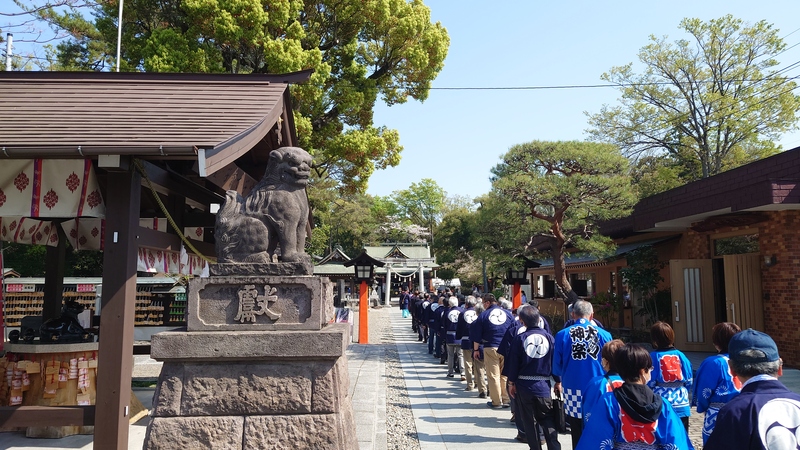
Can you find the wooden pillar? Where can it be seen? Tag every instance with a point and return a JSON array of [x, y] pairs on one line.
[[117, 314], [388, 294], [55, 263], [363, 311], [176, 204]]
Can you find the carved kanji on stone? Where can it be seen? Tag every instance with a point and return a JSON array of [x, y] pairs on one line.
[[249, 300]]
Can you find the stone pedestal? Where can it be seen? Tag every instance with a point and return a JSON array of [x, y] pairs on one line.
[[277, 379]]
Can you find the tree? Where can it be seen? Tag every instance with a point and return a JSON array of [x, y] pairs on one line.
[[556, 193], [360, 51], [29, 260], [456, 241], [643, 275], [705, 102], [421, 204]]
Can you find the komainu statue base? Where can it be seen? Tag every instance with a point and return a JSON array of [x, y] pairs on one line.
[[258, 367]]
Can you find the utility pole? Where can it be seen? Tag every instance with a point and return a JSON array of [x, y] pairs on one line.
[[9, 38], [119, 33]]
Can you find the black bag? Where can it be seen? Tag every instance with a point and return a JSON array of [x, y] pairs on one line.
[[560, 416]]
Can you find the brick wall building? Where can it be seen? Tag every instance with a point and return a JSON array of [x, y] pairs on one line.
[[760, 199]]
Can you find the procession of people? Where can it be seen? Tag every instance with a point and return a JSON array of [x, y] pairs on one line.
[[605, 393]]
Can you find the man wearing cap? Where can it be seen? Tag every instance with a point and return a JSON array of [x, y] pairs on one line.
[[765, 415]]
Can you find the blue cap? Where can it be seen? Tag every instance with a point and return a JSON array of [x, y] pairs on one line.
[[751, 339]]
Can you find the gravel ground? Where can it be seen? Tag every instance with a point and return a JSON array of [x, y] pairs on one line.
[[400, 429]]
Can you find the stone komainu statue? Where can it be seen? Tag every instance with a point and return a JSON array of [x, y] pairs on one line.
[[273, 215]]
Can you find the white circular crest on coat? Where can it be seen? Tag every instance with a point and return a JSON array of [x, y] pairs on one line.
[[779, 424], [452, 316], [536, 346], [425, 304], [435, 306], [470, 316], [497, 317]]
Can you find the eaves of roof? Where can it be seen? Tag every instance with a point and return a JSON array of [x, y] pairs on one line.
[[768, 184], [580, 261], [169, 116]]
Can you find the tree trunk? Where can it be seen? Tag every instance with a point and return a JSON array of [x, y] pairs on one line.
[[562, 280], [559, 266]]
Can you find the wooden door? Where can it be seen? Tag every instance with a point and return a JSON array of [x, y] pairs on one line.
[[743, 298], [692, 303]]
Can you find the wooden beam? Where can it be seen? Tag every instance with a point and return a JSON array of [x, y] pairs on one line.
[[117, 311], [37, 416], [55, 263], [164, 241], [174, 183], [233, 178], [199, 219], [176, 205]]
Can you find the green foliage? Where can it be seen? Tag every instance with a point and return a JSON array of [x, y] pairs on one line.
[[456, 245], [361, 51], [84, 263], [555, 193], [456, 235], [642, 276], [356, 220], [421, 204], [350, 221], [709, 104], [606, 305], [655, 174], [29, 261]]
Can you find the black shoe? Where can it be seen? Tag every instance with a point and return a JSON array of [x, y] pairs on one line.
[[521, 438], [493, 406], [482, 395], [450, 375]]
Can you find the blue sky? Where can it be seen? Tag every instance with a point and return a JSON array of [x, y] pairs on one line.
[[456, 137]]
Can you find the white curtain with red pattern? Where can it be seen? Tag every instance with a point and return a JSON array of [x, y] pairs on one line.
[[43, 188], [161, 261], [32, 191]]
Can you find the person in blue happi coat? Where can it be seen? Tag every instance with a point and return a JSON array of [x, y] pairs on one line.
[[473, 371], [529, 367], [672, 371], [429, 318], [632, 415], [765, 414], [714, 384], [453, 346], [488, 330], [577, 360], [607, 382]]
